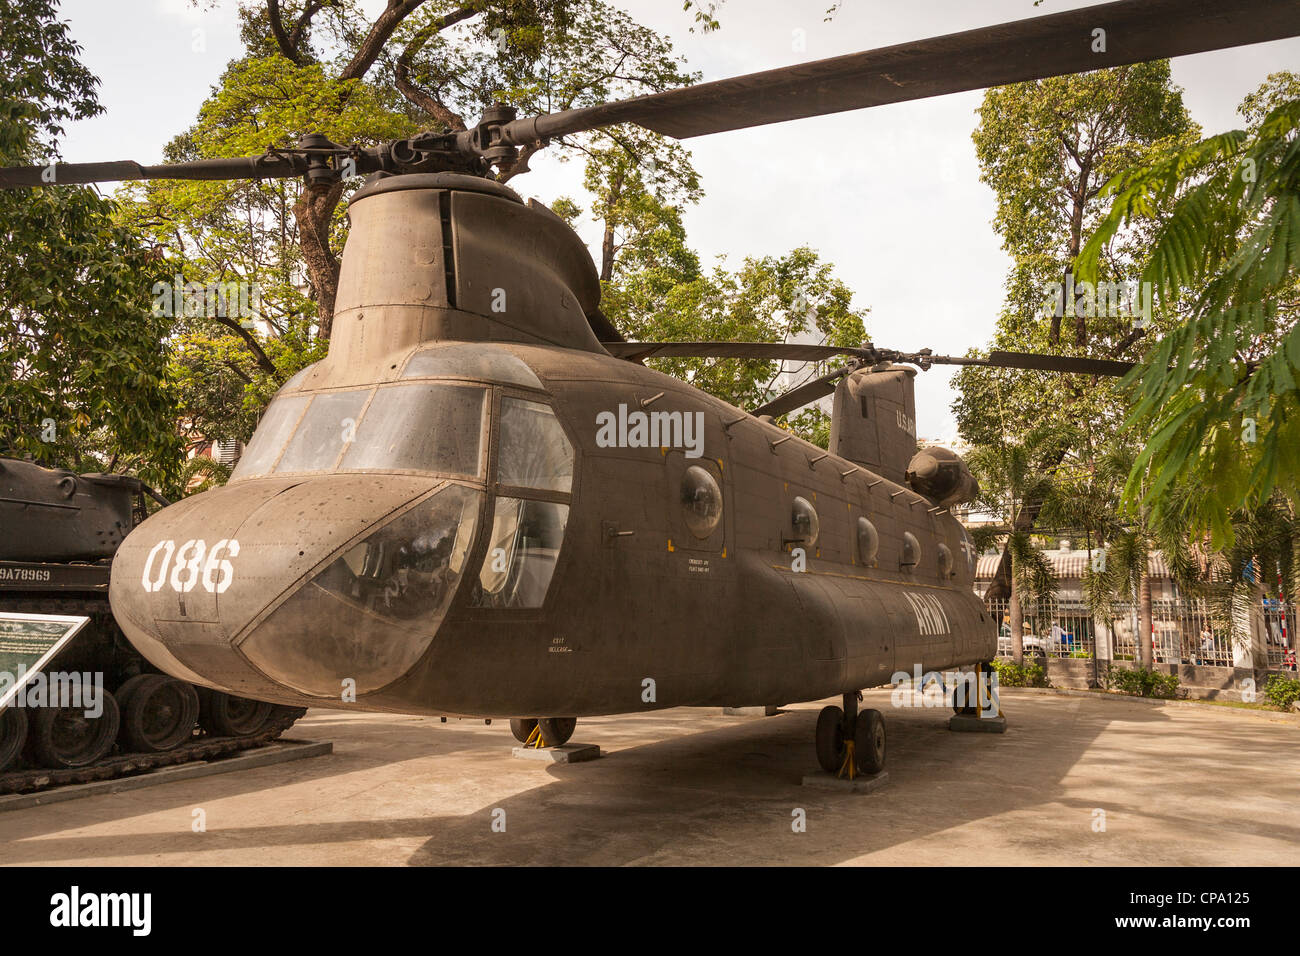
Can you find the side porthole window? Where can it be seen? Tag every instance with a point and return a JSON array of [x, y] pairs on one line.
[[868, 541], [945, 561], [701, 501], [803, 518], [911, 550]]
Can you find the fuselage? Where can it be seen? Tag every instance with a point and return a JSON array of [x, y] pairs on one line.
[[492, 529]]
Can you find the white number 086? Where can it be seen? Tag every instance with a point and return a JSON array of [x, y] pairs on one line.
[[190, 566]]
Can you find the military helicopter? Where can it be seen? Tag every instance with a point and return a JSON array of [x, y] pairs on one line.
[[481, 504]]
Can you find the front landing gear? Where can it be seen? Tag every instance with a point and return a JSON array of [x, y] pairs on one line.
[[547, 739], [850, 743]]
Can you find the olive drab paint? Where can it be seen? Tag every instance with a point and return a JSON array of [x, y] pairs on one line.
[[605, 551]]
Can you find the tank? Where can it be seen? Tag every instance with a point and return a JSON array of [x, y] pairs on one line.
[[58, 534]]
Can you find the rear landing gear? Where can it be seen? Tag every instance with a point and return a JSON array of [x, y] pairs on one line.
[[543, 731], [523, 729], [848, 742]]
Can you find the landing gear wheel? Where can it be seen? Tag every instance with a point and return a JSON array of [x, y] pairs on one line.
[[64, 738], [159, 713], [222, 715], [13, 733], [830, 739], [869, 741], [556, 731], [523, 728]]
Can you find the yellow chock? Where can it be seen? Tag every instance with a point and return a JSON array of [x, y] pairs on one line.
[[849, 763], [535, 739]]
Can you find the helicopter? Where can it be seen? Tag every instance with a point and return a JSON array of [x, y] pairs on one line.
[[481, 504]]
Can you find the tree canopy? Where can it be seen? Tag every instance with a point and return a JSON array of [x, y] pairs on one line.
[[1216, 398], [82, 357]]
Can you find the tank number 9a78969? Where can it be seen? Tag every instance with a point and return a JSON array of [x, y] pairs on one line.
[[193, 564]]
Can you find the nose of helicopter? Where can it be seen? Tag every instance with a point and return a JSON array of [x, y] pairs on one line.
[[222, 588]]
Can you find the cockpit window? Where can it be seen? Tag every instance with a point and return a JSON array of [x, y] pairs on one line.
[[328, 425], [423, 427], [272, 432], [471, 361], [534, 452], [372, 612], [418, 427], [521, 553]]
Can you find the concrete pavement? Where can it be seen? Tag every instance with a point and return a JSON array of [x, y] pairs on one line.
[[1173, 785]]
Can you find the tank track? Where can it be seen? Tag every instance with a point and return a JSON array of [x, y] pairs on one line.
[[200, 747], [122, 765]]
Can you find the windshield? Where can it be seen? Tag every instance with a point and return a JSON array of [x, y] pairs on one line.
[[435, 428]]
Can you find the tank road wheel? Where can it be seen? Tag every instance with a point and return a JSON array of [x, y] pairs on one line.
[[869, 741], [522, 728], [64, 738], [223, 715], [159, 713], [556, 731], [13, 733], [830, 739]]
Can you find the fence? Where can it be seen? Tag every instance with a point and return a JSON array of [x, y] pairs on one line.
[[1058, 629], [1183, 632], [1280, 634]]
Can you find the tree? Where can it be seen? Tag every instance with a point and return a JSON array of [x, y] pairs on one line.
[[449, 60], [1216, 398], [82, 359], [768, 299], [329, 68], [1047, 148], [1122, 566], [1011, 478], [654, 289]]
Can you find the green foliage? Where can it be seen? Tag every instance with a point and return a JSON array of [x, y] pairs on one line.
[[1047, 148], [1014, 473], [1011, 674], [1216, 400], [202, 473], [336, 69], [82, 360], [772, 299], [1140, 682], [1282, 691]]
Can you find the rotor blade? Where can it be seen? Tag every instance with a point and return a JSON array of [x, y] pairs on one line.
[[1021, 360], [1056, 363], [269, 166], [805, 393], [1029, 49], [770, 351]]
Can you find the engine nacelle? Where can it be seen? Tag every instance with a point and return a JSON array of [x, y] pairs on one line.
[[942, 476]]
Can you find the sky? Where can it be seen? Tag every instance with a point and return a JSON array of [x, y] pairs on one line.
[[892, 197]]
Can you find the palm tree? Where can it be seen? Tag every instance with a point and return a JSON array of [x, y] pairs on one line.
[[1011, 475], [1126, 540]]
